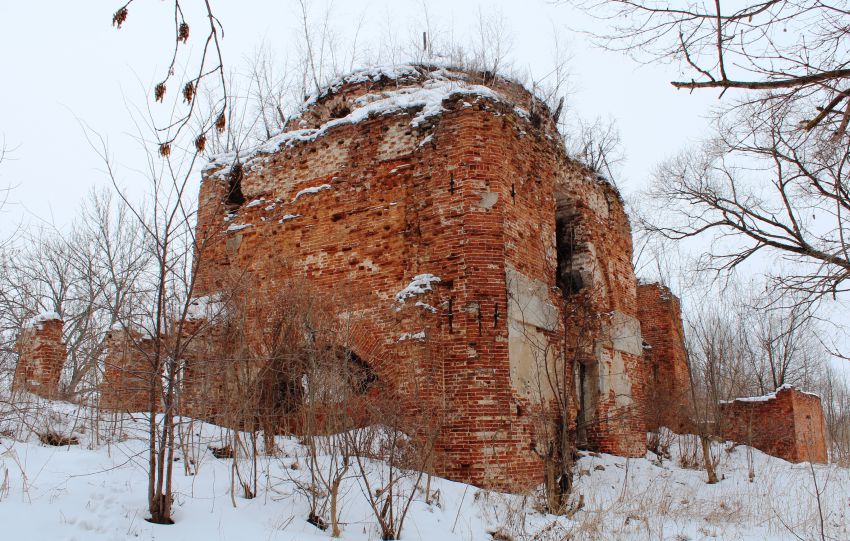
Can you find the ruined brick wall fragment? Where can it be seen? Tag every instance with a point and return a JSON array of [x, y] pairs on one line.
[[130, 382], [668, 397], [788, 424], [41, 356]]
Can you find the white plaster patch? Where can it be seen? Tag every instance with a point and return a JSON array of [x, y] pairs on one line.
[[488, 200], [528, 301], [529, 357], [624, 333], [614, 381]]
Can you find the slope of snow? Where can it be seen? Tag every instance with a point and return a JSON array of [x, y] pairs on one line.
[[97, 490]]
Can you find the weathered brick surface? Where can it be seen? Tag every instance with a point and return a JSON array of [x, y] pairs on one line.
[[532, 252], [668, 396], [788, 424], [129, 375], [592, 223], [41, 355], [478, 196]]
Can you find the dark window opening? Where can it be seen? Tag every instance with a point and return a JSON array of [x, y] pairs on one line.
[[340, 111], [234, 185], [568, 279], [289, 392], [536, 119], [361, 376]]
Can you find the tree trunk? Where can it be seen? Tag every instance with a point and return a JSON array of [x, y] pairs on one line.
[[706, 458]]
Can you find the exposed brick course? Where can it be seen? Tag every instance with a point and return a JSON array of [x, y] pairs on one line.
[[41, 355], [668, 398], [788, 423], [470, 196]]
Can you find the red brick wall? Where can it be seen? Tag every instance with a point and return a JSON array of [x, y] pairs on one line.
[[41, 355], [205, 371], [809, 427], [128, 373], [788, 424], [668, 396], [612, 371], [470, 196]]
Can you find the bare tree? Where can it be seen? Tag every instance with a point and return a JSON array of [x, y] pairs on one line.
[[834, 391], [793, 50], [209, 70], [391, 456], [773, 179], [166, 220], [763, 192], [596, 144], [89, 274]]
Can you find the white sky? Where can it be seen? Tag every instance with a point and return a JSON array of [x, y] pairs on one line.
[[63, 63], [66, 64]]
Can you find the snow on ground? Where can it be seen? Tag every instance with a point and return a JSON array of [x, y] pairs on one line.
[[96, 489]]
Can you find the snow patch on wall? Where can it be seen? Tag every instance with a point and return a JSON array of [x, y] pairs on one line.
[[314, 189], [420, 284], [419, 336], [425, 306]]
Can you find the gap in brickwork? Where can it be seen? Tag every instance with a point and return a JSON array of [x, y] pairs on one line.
[[569, 279], [234, 180]]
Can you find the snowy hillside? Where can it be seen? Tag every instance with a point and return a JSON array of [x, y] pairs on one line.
[[96, 489]]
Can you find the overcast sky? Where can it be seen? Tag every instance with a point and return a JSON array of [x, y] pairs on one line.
[[65, 64]]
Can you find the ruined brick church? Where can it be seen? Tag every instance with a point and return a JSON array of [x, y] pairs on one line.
[[472, 258]]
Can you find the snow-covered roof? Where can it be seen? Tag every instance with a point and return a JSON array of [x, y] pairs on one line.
[[770, 396], [427, 98], [419, 88]]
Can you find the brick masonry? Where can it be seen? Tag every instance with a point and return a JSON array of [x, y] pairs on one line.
[[668, 398], [129, 375], [475, 196], [41, 356], [517, 261], [788, 424]]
